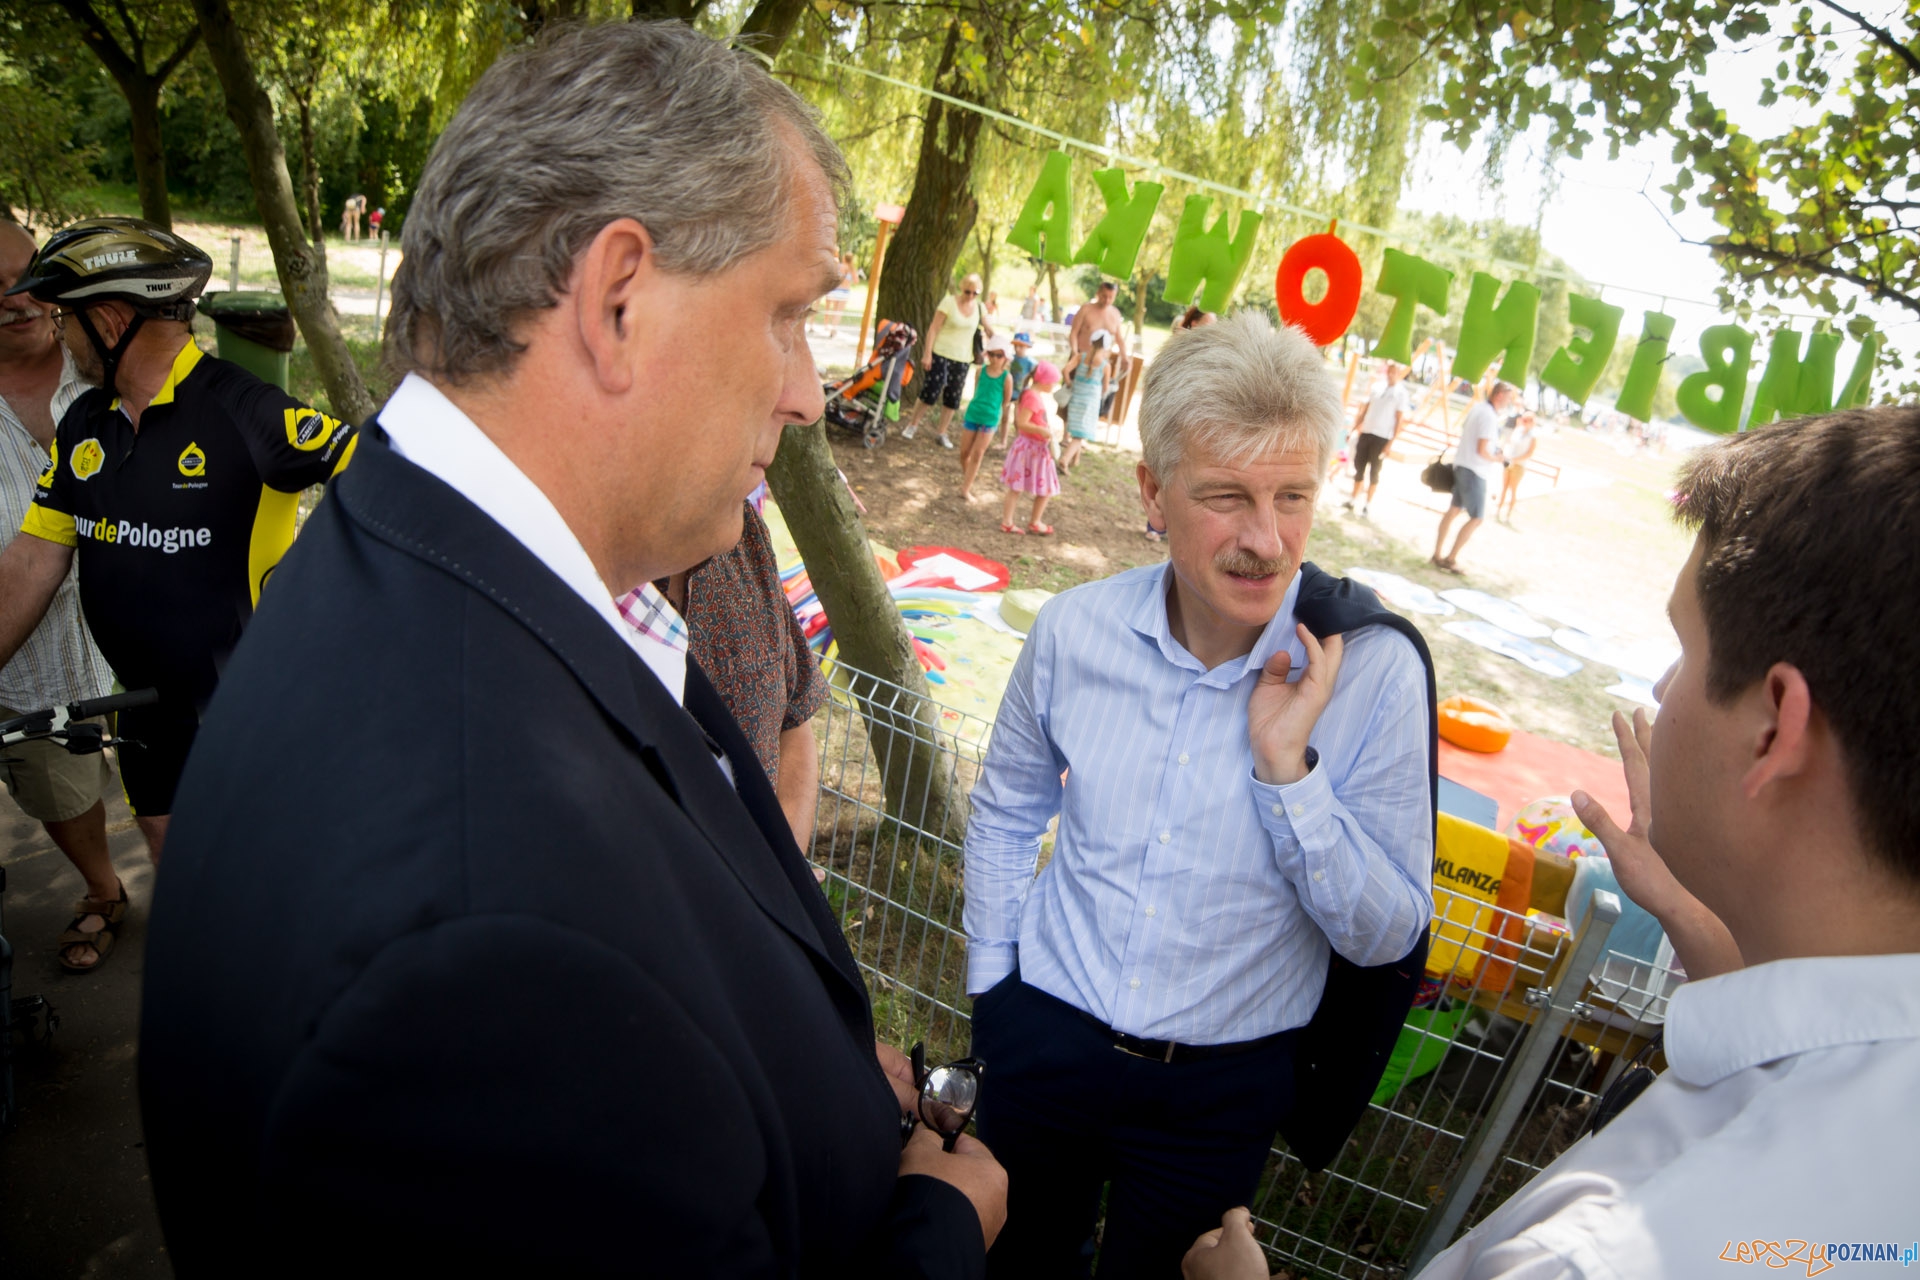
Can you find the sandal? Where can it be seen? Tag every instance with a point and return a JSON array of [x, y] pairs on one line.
[[101, 940], [1040, 530], [1012, 528]]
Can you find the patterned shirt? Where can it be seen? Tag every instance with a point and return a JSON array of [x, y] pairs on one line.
[[59, 663], [746, 640]]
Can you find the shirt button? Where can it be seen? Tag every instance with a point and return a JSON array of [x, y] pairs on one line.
[[1165, 836], [1318, 876], [1153, 911], [1133, 984], [1279, 810], [1183, 757], [1299, 811]]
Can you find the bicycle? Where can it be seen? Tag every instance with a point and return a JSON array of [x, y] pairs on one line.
[[67, 727]]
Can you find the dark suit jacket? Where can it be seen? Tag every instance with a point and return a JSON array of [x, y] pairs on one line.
[[467, 954]]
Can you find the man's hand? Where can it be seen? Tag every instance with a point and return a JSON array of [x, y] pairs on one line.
[[1700, 939], [899, 1069], [1228, 1252], [969, 1166], [1281, 715]]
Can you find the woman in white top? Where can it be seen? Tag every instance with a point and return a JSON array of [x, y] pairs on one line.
[[1520, 446], [949, 356]]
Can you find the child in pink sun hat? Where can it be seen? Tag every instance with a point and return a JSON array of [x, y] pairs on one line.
[[1029, 466]]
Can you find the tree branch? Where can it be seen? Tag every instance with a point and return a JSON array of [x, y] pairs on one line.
[[179, 55], [101, 41], [1725, 249], [1882, 34]]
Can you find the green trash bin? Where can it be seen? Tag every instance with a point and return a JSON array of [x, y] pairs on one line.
[[254, 329]]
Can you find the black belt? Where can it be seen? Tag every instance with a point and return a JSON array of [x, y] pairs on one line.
[[1173, 1051]]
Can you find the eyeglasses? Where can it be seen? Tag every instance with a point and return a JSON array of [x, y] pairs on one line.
[[948, 1096], [59, 316], [969, 293]]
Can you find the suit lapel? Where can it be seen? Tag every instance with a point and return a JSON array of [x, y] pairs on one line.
[[756, 794], [415, 512]]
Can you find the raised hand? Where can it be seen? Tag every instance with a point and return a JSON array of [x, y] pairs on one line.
[[1280, 714], [1700, 939]]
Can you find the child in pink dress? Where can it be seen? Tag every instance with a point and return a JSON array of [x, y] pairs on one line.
[[1029, 466]]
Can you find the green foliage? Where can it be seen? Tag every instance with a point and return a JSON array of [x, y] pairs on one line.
[[1821, 213], [43, 164]]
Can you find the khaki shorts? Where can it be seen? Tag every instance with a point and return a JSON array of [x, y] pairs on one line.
[[49, 784]]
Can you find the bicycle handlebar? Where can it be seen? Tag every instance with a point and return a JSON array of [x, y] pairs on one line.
[[88, 708]]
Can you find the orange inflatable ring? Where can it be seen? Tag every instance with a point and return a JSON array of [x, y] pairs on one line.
[[1474, 723]]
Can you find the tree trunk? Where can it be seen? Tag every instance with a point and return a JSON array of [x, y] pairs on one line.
[[983, 238], [903, 731], [1053, 293], [941, 208], [771, 22], [149, 153], [303, 274], [1139, 305], [310, 181]]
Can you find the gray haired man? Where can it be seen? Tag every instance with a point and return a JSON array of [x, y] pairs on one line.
[[1237, 801], [525, 973]]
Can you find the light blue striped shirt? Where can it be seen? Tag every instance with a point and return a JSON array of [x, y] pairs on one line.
[[1184, 900]]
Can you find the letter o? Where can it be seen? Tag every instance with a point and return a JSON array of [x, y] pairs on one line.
[[1326, 320]]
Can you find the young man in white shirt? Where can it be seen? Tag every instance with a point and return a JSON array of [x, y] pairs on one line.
[[1779, 795], [1379, 426], [1477, 464]]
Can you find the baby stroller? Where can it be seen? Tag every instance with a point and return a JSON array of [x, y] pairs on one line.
[[858, 403]]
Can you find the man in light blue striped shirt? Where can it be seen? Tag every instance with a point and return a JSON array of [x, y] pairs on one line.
[[1236, 801]]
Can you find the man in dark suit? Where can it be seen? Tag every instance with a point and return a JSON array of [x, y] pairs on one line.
[[483, 942]]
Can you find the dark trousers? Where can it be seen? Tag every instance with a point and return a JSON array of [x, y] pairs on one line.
[[1176, 1144]]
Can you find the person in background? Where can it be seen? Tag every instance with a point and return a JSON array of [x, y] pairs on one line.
[[1028, 467], [59, 663], [1521, 443], [1092, 373], [1378, 426], [1030, 309], [1477, 464], [1192, 318], [743, 634], [987, 413], [948, 358], [1021, 367]]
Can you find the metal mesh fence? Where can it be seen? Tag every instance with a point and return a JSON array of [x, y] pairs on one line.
[[1493, 1077]]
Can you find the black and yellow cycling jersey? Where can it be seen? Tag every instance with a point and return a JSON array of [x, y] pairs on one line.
[[177, 525]]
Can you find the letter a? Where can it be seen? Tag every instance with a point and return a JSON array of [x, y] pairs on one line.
[[1045, 225], [1114, 243]]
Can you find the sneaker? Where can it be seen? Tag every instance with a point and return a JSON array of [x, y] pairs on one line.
[[1366, 512], [945, 443], [906, 432], [1347, 505]]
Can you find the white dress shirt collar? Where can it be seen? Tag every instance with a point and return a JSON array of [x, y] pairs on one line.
[[1720, 1026], [1149, 617], [430, 431]]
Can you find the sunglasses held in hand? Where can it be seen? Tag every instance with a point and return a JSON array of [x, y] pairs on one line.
[[948, 1096]]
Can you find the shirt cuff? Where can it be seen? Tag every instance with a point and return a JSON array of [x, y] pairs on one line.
[[988, 962], [1292, 814], [54, 526]]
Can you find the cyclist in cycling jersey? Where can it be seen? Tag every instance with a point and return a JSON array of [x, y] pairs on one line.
[[175, 479]]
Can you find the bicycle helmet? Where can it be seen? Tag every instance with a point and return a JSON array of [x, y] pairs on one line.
[[117, 260]]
